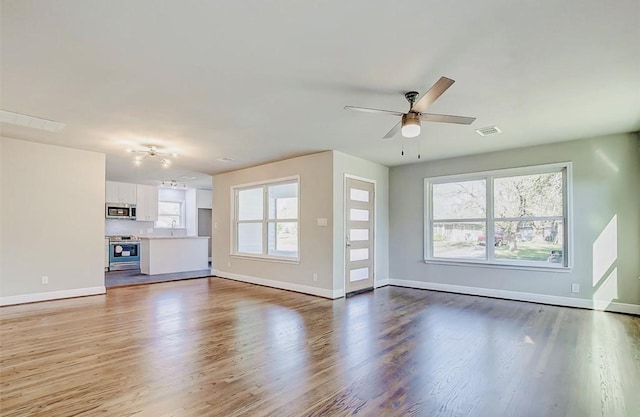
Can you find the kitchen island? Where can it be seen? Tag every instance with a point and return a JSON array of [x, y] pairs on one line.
[[169, 254]]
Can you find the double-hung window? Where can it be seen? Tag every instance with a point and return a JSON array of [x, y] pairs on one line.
[[266, 220], [516, 217]]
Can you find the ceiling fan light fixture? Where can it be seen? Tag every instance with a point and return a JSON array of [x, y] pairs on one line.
[[410, 125]]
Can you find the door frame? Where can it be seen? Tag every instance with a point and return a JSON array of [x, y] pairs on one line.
[[344, 223]]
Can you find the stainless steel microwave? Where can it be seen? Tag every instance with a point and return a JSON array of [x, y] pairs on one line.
[[120, 211]]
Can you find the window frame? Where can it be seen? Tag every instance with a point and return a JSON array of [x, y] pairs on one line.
[[265, 221], [183, 222], [489, 176]]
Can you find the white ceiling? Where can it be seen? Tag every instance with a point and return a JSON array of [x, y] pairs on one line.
[[260, 80]]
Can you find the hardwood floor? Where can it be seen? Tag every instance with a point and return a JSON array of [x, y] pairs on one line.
[[213, 347]]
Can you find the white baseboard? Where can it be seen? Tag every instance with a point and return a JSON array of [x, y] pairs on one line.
[[381, 283], [305, 289], [521, 296], [52, 295]]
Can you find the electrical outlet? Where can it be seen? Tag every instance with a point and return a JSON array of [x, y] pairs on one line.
[[229, 264], [45, 280], [575, 288], [315, 276]]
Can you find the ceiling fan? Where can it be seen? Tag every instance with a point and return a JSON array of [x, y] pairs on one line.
[[409, 126]]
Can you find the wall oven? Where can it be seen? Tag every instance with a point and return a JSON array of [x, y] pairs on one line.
[[124, 253], [120, 211]]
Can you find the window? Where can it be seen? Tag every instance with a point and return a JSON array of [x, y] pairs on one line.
[[266, 220], [509, 217], [170, 215]]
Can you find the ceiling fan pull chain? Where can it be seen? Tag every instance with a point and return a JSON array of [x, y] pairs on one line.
[[402, 144]]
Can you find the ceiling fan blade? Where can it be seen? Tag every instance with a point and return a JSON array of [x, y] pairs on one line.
[[432, 95], [446, 118], [394, 131], [367, 110]]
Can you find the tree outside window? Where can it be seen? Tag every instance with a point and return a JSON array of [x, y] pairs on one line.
[[516, 216]]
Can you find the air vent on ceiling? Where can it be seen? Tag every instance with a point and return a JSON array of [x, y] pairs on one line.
[[30, 121], [224, 159], [490, 130]]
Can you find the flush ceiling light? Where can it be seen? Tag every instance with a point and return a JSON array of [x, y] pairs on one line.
[[410, 125], [152, 152]]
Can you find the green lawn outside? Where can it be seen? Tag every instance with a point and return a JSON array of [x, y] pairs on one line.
[[527, 251]]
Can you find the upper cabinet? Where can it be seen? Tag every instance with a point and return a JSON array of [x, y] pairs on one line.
[[147, 205], [120, 192], [203, 199]]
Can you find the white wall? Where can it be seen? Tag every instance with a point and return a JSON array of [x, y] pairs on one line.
[[606, 186], [1, 193], [346, 164], [52, 221], [316, 251]]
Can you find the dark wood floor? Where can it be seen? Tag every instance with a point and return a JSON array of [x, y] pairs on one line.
[[213, 347], [135, 277]]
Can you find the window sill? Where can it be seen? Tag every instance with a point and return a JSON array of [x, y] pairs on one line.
[[266, 258], [563, 269]]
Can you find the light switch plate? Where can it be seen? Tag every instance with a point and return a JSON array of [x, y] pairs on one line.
[[322, 222]]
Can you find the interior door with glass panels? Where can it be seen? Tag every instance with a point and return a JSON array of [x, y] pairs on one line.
[[359, 225]]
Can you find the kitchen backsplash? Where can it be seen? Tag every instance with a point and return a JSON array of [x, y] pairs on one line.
[[129, 227]]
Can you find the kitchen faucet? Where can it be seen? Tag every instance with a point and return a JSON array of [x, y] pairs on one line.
[[173, 226]]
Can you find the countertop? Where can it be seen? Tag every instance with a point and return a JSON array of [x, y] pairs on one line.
[[173, 237]]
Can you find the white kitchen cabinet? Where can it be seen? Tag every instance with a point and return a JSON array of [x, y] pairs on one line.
[[203, 199], [120, 192], [111, 195], [147, 203]]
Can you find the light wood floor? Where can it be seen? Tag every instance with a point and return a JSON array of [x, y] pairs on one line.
[[213, 347]]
